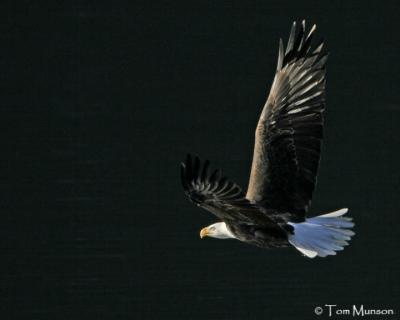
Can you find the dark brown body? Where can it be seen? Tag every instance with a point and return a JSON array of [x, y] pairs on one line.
[[264, 237]]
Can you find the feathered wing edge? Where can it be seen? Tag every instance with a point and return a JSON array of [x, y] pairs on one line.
[[217, 194], [290, 129], [299, 84], [299, 46], [200, 185]]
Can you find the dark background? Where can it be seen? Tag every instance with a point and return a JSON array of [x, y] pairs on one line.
[[100, 103]]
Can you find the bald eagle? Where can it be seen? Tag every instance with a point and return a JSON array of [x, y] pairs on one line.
[[285, 163]]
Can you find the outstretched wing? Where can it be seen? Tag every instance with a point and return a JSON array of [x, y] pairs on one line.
[[289, 131], [217, 194]]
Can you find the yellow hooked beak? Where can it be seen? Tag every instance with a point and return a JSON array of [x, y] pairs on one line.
[[203, 233]]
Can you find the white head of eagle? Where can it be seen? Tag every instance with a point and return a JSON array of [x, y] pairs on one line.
[[217, 230]]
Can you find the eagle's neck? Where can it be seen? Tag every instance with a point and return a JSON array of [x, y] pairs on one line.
[[223, 231]]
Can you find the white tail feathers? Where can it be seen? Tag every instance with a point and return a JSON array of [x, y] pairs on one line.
[[322, 235]]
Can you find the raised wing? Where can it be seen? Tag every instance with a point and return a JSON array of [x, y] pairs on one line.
[[217, 194], [289, 132]]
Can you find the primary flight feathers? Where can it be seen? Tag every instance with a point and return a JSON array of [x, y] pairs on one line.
[[289, 131], [216, 193]]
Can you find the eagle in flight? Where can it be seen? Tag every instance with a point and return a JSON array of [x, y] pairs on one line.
[[285, 163]]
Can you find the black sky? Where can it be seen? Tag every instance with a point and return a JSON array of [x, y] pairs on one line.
[[100, 103]]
